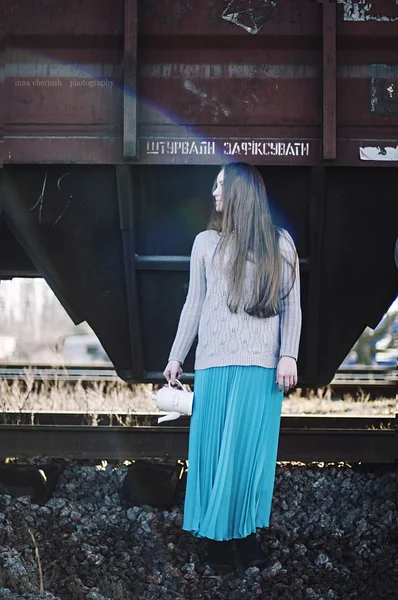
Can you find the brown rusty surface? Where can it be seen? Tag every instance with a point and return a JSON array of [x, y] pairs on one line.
[[329, 79], [71, 93], [65, 18], [2, 97], [205, 17], [130, 81], [88, 442]]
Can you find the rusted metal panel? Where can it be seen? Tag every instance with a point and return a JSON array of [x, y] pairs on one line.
[[2, 95], [158, 149], [240, 79], [67, 149], [329, 79], [54, 18], [269, 147], [231, 87], [130, 81], [213, 18], [63, 91], [61, 105]]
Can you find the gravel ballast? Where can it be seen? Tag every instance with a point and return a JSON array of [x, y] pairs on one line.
[[332, 536]]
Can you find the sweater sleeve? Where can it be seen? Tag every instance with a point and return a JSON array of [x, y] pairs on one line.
[[290, 309], [190, 315]]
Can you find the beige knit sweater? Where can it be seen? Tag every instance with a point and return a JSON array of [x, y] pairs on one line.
[[226, 338]]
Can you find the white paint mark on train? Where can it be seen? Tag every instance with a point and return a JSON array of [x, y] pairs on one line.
[[248, 70], [229, 148], [354, 11], [70, 196], [40, 201], [360, 10], [390, 90], [255, 148], [379, 153], [373, 94], [206, 100], [191, 87], [180, 147], [250, 18]]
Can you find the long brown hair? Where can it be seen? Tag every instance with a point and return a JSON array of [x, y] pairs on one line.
[[245, 218]]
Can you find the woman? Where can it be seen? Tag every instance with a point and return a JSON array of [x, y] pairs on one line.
[[244, 303]]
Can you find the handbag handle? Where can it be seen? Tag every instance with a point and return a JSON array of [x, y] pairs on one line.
[[179, 383]]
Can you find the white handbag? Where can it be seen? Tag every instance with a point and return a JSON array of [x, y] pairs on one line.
[[178, 402]]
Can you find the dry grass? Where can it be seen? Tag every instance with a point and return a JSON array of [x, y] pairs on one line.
[[320, 402], [120, 397], [59, 396]]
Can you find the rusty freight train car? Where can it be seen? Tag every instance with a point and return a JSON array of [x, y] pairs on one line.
[[116, 114]]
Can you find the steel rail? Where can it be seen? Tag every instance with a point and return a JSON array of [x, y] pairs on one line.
[[305, 439], [137, 419]]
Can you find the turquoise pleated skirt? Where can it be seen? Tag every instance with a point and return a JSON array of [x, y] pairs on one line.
[[233, 443]]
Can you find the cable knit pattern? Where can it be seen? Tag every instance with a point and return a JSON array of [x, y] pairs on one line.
[[226, 338]]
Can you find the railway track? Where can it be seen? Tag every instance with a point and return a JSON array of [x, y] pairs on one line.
[[374, 380], [132, 436]]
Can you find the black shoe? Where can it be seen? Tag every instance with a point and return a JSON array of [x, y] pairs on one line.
[[250, 552], [220, 555]]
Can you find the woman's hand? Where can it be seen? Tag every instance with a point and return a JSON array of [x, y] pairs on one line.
[[286, 373], [172, 371]]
